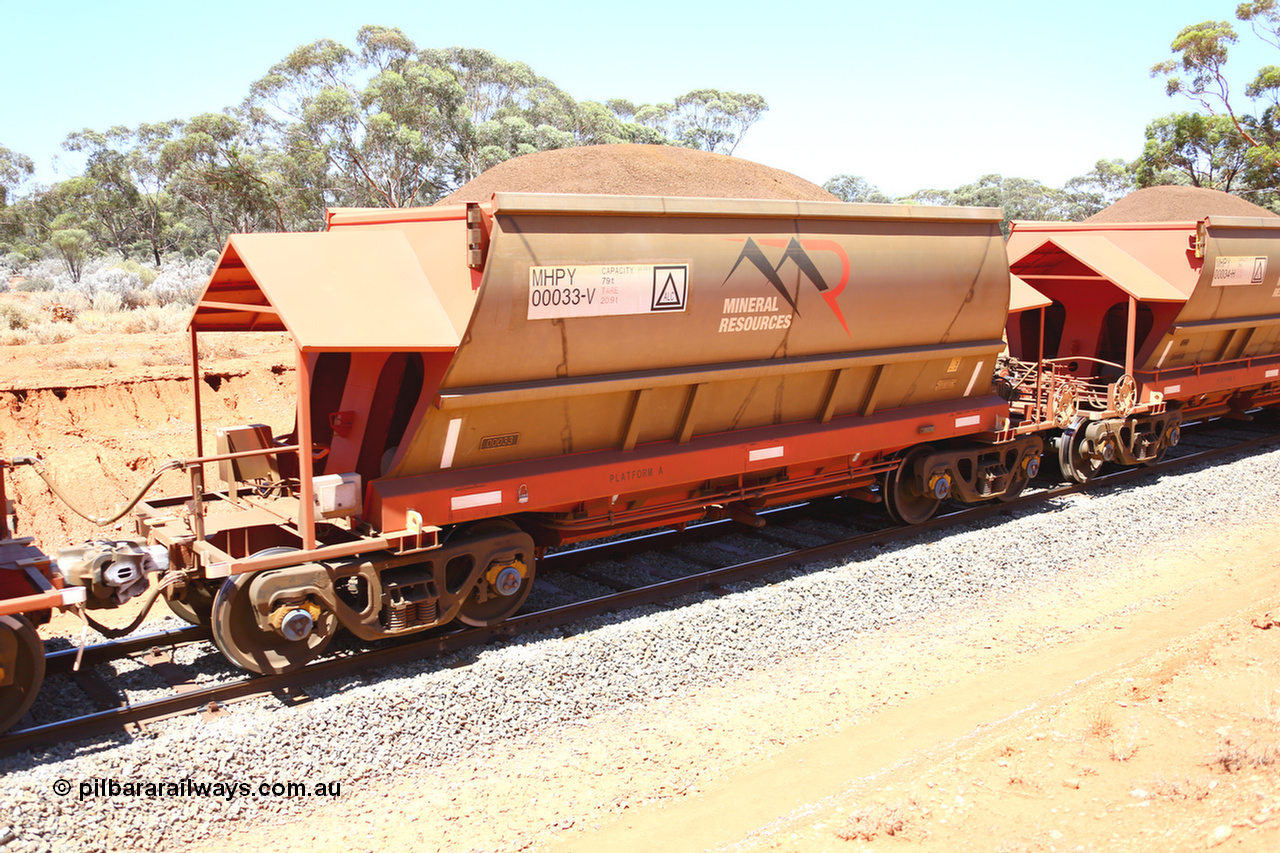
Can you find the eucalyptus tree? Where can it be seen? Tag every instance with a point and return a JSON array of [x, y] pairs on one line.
[[1103, 185], [709, 119], [503, 109], [1018, 198], [15, 168], [1198, 71], [126, 187], [715, 120], [390, 124], [855, 188], [1194, 149], [378, 119], [230, 183], [72, 246]]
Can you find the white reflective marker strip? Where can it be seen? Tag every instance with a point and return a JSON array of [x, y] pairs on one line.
[[970, 420], [1173, 389], [764, 453], [973, 379], [1167, 347], [478, 499], [73, 595], [450, 443], [1272, 374]]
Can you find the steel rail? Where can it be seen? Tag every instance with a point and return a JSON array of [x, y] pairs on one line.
[[436, 645], [63, 660]]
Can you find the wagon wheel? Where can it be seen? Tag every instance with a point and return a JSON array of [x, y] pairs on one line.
[[1051, 464], [241, 641], [904, 501], [501, 589], [20, 642], [1153, 461], [1028, 468], [1172, 435], [196, 605], [1072, 458]]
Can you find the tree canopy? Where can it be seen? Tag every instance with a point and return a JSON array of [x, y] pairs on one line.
[[1233, 143], [388, 123], [384, 123]]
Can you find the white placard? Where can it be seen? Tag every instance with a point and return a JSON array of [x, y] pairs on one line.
[[596, 290], [766, 453], [472, 501], [1229, 270]]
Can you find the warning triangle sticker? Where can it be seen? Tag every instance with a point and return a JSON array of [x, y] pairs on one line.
[[669, 295]]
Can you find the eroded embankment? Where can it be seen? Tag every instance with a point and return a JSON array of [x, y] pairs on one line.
[[101, 441]]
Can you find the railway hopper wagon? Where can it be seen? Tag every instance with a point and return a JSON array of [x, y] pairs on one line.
[[29, 590], [1142, 325], [478, 383]]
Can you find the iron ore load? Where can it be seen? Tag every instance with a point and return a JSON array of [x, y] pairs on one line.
[[477, 383]]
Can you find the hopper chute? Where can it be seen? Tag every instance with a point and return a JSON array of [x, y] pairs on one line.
[[1024, 297], [345, 291]]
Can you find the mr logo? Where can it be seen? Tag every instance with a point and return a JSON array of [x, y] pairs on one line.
[[797, 252]]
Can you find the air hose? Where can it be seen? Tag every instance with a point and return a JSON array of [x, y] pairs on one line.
[[34, 462], [167, 581]]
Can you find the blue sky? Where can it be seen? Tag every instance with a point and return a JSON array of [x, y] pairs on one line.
[[909, 95]]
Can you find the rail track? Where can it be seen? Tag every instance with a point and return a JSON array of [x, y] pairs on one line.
[[655, 557]]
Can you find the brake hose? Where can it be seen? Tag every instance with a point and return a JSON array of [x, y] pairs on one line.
[[34, 462], [167, 581]]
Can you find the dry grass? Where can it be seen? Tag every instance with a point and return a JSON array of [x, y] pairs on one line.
[[14, 317], [37, 333], [96, 361], [1101, 724], [218, 350], [1234, 757], [54, 318], [1264, 698], [1126, 749], [870, 823], [165, 358], [1179, 789]]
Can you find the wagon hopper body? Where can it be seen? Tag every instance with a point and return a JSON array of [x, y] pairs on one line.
[[480, 382], [1147, 323]]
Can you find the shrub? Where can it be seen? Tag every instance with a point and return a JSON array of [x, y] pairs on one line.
[[107, 302], [146, 275], [15, 337], [154, 318], [52, 333], [35, 284], [134, 299], [181, 283], [14, 316]]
